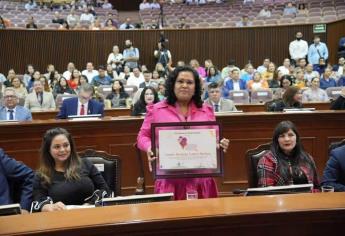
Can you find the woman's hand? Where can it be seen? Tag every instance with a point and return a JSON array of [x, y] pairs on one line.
[[150, 158], [54, 207], [224, 143]]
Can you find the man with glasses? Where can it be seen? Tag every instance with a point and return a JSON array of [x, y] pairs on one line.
[[11, 110], [81, 105]]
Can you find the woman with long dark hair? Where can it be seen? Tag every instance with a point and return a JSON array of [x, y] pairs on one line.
[[287, 162], [118, 95], [183, 103], [62, 87], [147, 97], [63, 178]]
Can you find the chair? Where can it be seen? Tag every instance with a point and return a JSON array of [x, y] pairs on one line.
[[140, 189], [130, 89], [108, 165], [261, 96], [252, 159], [333, 92], [60, 97], [241, 96], [105, 90], [334, 145]]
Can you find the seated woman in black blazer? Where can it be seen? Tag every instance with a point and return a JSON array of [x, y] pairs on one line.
[[63, 178], [148, 95], [292, 98]]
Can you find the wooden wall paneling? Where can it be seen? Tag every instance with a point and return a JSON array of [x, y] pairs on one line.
[[335, 31]]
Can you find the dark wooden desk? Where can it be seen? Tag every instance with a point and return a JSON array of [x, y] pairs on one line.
[[46, 115], [284, 215], [116, 136]]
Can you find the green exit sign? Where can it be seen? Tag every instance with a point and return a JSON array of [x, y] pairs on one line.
[[319, 28]]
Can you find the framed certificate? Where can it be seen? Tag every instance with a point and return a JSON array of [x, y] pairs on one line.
[[187, 149]]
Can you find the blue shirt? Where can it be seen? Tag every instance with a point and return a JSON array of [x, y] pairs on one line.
[[324, 84], [317, 51], [97, 81]]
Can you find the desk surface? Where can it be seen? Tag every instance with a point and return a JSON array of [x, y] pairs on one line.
[[314, 212]]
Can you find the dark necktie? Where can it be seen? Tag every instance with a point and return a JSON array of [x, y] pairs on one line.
[[11, 114], [82, 110], [39, 98], [216, 107]]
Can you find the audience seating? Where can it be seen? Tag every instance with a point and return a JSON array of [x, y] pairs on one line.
[[261, 96], [60, 97], [108, 165], [333, 92], [241, 96], [252, 159]]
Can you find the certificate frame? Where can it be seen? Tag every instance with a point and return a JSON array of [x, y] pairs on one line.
[[217, 156]]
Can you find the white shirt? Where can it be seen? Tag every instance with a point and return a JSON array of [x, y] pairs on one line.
[[236, 85], [114, 58], [298, 49], [340, 71], [143, 6], [67, 75], [72, 19], [90, 75], [85, 108], [265, 13], [87, 17], [8, 113], [107, 6], [132, 80], [283, 70]]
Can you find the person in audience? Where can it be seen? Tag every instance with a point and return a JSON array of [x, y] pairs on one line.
[[111, 72], [161, 90], [63, 178], [339, 103], [73, 82], [50, 72], [15, 174], [265, 12], [285, 68], [155, 5], [182, 23], [155, 76], [310, 73], [208, 63], [235, 83], [64, 26], [302, 10], [314, 93], [87, 16], [62, 87], [300, 82], [19, 88], [70, 67], [160, 69], [118, 95], [298, 48], [215, 100], [72, 18], [292, 98], [81, 105], [302, 63], [136, 78], [107, 5], [213, 75], [148, 96], [268, 75], [320, 68], [31, 23], [339, 68], [36, 76], [30, 5], [11, 110], [57, 18], [109, 25], [183, 103], [115, 58], [101, 78], [326, 80], [39, 99], [341, 81], [316, 50], [28, 74], [163, 55], [333, 174], [144, 5], [228, 69], [125, 74], [147, 80], [90, 73], [263, 68], [45, 84], [244, 22], [96, 25], [290, 10], [10, 76], [196, 66], [286, 163], [275, 82], [127, 25], [2, 23], [248, 72], [257, 83], [130, 55]]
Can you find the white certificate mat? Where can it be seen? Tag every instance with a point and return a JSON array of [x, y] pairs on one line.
[[188, 149]]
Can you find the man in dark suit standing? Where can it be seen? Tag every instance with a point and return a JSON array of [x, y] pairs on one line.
[[18, 176], [81, 105], [11, 110]]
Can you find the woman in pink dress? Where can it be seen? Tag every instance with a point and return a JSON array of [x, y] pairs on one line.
[[183, 104]]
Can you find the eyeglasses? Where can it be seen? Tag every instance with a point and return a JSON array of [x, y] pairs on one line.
[[10, 97]]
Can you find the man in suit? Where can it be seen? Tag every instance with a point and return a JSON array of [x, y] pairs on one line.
[[81, 105], [219, 104], [39, 99], [148, 80], [334, 173], [15, 176], [235, 83], [11, 110]]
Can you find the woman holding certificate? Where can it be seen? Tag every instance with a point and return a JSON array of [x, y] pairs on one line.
[[182, 104]]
